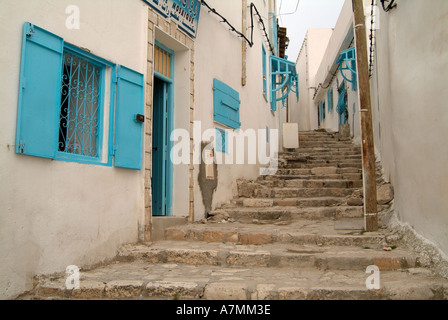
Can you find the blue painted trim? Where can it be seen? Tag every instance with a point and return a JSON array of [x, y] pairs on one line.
[[226, 105], [169, 169], [98, 159], [221, 141], [54, 43], [265, 73], [90, 56], [112, 111], [162, 77]]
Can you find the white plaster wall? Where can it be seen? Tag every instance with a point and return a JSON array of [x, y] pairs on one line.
[[53, 213], [412, 65], [308, 63], [299, 110], [218, 54]]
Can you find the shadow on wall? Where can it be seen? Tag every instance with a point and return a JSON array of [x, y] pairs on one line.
[[206, 184]]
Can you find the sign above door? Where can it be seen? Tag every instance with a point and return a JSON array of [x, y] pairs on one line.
[[184, 12]]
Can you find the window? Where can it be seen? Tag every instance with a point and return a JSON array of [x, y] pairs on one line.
[[330, 99], [342, 105], [322, 110], [62, 110], [226, 105], [221, 140], [80, 111], [163, 61]]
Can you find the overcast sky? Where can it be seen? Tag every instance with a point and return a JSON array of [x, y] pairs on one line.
[[309, 14]]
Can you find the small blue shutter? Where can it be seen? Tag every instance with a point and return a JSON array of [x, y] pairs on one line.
[[321, 108], [128, 131], [226, 105], [221, 140], [354, 76], [330, 98], [265, 74], [39, 92]]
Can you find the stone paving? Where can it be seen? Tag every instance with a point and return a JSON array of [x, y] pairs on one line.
[[142, 280], [296, 235]]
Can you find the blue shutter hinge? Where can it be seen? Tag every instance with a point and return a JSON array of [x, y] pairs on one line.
[[21, 147], [29, 30], [114, 150]]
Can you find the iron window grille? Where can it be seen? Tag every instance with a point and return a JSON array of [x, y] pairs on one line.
[[79, 122]]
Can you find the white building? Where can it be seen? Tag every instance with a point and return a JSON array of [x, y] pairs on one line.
[[91, 92]]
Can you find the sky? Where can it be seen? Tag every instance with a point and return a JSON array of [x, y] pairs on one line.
[[309, 14]]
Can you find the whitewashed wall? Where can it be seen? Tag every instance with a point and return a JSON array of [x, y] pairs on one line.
[[304, 111], [222, 59], [410, 113], [53, 213]]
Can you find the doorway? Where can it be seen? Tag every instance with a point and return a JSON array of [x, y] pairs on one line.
[[163, 108]]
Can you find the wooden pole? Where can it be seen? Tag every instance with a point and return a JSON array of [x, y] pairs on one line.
[[368, 149]]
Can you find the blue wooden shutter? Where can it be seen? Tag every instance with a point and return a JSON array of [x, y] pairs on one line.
[[221, 140], [265, 73], [39, 92], [321, 108], [129, 131], [330, 98], [226, 105], [354, 76]]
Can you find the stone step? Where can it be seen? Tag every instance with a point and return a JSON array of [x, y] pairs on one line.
[[317, 150], [306, 138], [303, 192], [332, 157], [282, 211], [312, 183], [320, 164], [300, 232], [321, 171], [140, 280], [296, 202], [314, 162], [278, 176], [324, 144], [271, 255]]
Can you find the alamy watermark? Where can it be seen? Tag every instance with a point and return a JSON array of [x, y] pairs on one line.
[[73, 21], [241, 147], [72, 279], [373, 281]]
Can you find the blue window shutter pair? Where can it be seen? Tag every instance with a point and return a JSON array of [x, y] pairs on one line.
[[40, 101], [226, 105]]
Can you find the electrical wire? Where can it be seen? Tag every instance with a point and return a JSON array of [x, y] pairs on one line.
[[286, 14], [241, 35]]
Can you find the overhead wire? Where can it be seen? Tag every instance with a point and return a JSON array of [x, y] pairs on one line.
[[240, 34]]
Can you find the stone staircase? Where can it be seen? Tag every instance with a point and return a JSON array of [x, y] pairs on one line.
[[297, 234]]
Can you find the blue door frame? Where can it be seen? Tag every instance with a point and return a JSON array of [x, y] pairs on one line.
[[162, 166]]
